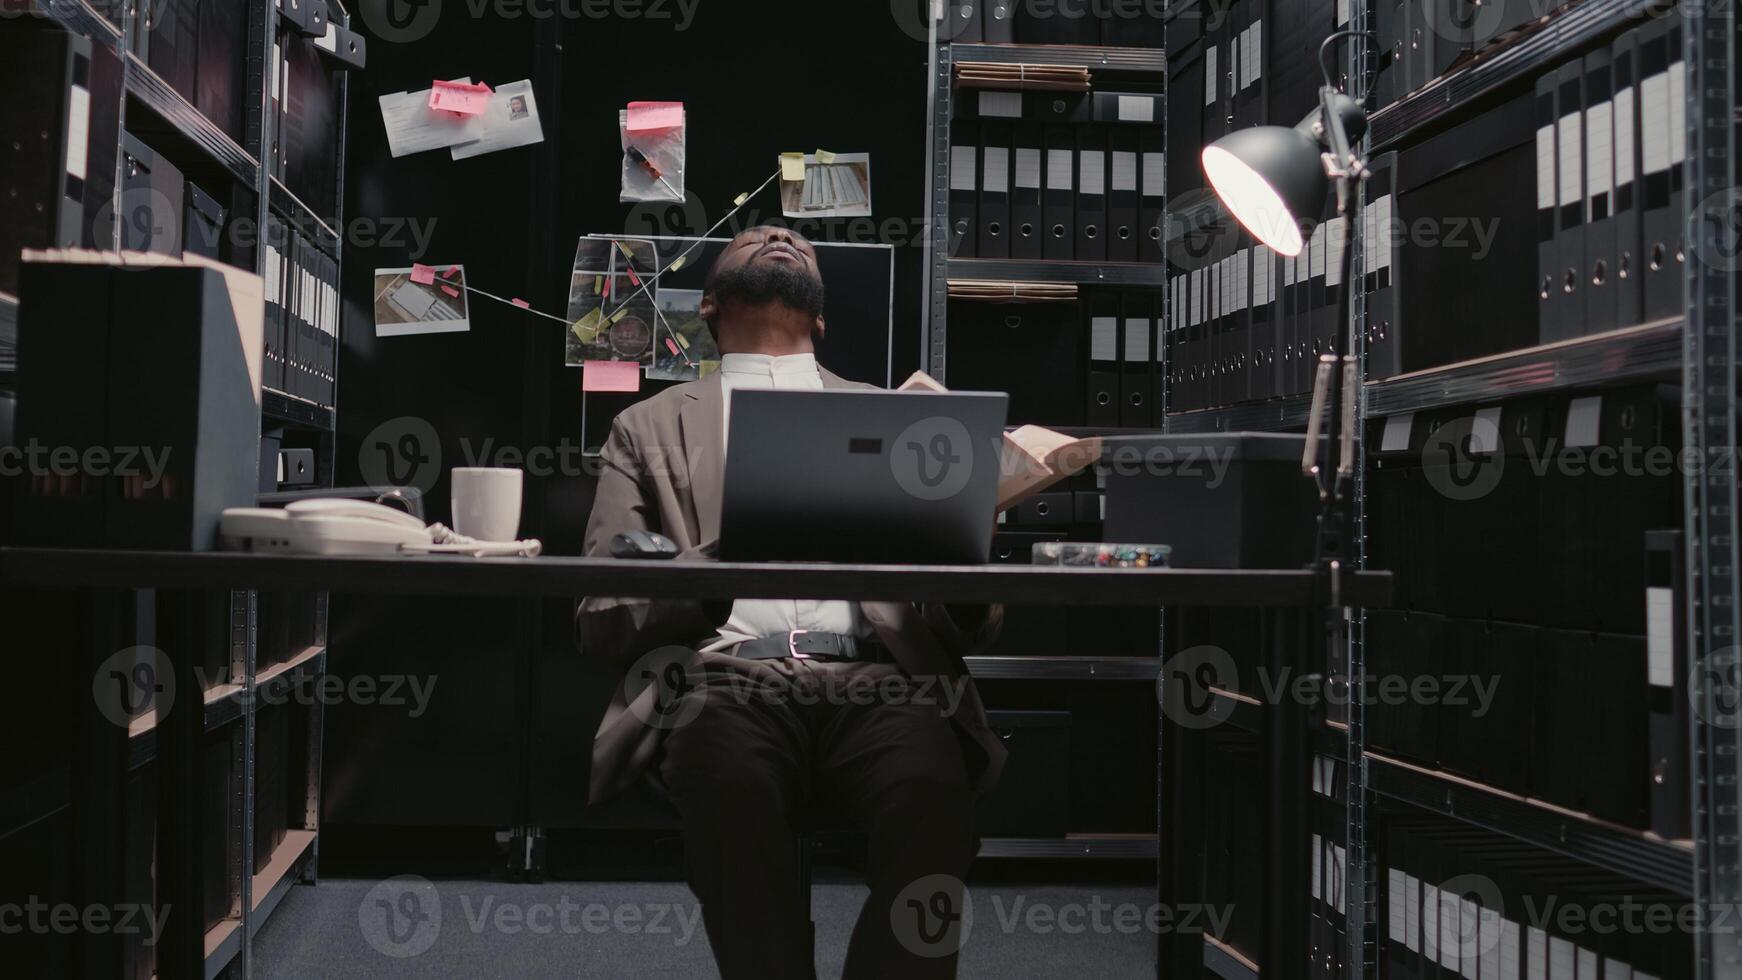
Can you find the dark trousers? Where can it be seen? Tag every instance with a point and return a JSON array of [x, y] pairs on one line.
[[768, 740]]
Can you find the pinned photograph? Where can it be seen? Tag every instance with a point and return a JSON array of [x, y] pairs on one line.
[[838, 188], [611, 302], [510, 119], [421, 300], [682, 343]]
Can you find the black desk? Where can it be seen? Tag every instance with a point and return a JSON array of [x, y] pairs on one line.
[[181, 578]]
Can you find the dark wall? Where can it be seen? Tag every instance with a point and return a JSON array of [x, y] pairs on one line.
[[514, 707]]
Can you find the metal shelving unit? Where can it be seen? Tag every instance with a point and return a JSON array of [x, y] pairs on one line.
[[1121, 847], [1078, 273], [1276, 415], [1064, 668], [173, 108]]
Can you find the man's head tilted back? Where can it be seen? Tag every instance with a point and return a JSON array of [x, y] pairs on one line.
[[764, 294]]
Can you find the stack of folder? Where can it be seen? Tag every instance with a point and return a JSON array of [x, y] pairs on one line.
[[1048, 78], [302, 316], [987, 290]]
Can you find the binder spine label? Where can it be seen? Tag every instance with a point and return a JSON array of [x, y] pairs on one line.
[[962, 167], [1600, 158], [1136, 108], [1654, 114], [997, 177], [1545, 191], [1124, 170], [1004, 105], [1571, 152], [1623, 108], [1136, 341], [1660, 636], [1093, 179], [1210, 75], [1104, 338], [78, 131], [1028, 167], [1058, 170]]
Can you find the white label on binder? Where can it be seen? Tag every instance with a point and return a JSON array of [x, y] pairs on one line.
[[1136, 340], [1194, 296], [1316, 247], [1058, 170], [1469, 932], [1536, 954], [1243, 63], [1587, 964], [1572, 143], [1154, 174], [1334, 252], [1242, 273], [1600, 151], [1485, 433], [1005, 105], [1584, 416], [1396, 437], [277, 61], [1257, 51], [1104, 338], [1614, 969], [1210, 76], [1488, 944], [78, 131], [1124, 170], [1288, 270], [1430, 922], [1093, 176], [1339, 875], [1562, 961], [1342, 12], [1660, 636], [962, 168], [1369, 237], [1411, 914], [1624, 137], [1136, 108], [996, 178], [1318, 866], [1510, 942], [1678, 112], [1654, 123], [1387, 235], [1545, 168], [1263, 278], [1028, 167], [1449, 943], [1394, 885]]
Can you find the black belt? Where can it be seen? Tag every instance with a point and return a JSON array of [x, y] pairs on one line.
[[815, 645]]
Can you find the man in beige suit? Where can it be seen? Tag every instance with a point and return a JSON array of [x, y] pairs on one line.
[[780, 704]]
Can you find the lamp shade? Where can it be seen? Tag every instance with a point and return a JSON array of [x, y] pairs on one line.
[[1269, 177]]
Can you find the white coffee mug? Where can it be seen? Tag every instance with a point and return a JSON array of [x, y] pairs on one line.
[[486, 502]]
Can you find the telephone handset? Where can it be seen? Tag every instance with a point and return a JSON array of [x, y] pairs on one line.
[[350, 527]]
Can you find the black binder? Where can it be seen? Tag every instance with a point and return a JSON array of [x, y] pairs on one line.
[[1569, 306], [1102, 408], [1152, 174], [1384, 318], [1629, 271], [1057, 219], [1236, 358], [151, 200], [1261, 343], [1548, 292], [964, 188], [1137, 361], [1091, 221], [1027, 239], [1667, 677], [1123, 172], [993, 239], [1663, 148], [1160, 311], [1600, 222]]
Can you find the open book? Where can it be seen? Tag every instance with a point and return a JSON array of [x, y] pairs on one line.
[[1034, 457]]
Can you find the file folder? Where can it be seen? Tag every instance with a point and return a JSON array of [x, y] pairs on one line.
[[964, 187], [1628, 269], [1058, 219], [1102, 408], [1153, 175], [1663, 149], [1122, 195], [1028, 235], [1137, 368], [993, 239], [1569, 307], [1091, 220]]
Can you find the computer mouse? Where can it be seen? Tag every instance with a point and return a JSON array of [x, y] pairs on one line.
[[642, 544]]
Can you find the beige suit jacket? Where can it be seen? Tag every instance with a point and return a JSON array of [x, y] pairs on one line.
[[664, 470]]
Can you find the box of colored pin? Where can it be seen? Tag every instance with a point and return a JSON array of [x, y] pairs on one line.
[[1095, 555]]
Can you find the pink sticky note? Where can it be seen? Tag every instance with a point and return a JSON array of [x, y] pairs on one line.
[[458, 97], [423, 275], [633, 278], [523, 304], [451, 291], [671, 345], [624, 376], [645, 116], [448, 273]]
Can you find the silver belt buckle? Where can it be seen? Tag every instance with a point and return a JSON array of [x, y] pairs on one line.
[[792, 645]]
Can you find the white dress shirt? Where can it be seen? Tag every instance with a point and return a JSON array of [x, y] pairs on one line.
[[756, 618]]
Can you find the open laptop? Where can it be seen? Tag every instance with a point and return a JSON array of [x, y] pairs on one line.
[[862, 476]]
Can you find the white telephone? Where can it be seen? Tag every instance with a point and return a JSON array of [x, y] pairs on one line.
[[350, 527]]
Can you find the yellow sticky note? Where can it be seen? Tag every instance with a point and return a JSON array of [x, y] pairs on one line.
[[587, 327], [620, 314], [599, 284], [738, 201], [792, 167], [682, 341], [708, 367], [678, 264], [825, 157], [625, 250]]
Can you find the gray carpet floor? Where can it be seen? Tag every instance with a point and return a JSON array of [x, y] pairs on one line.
[[612, 930]]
